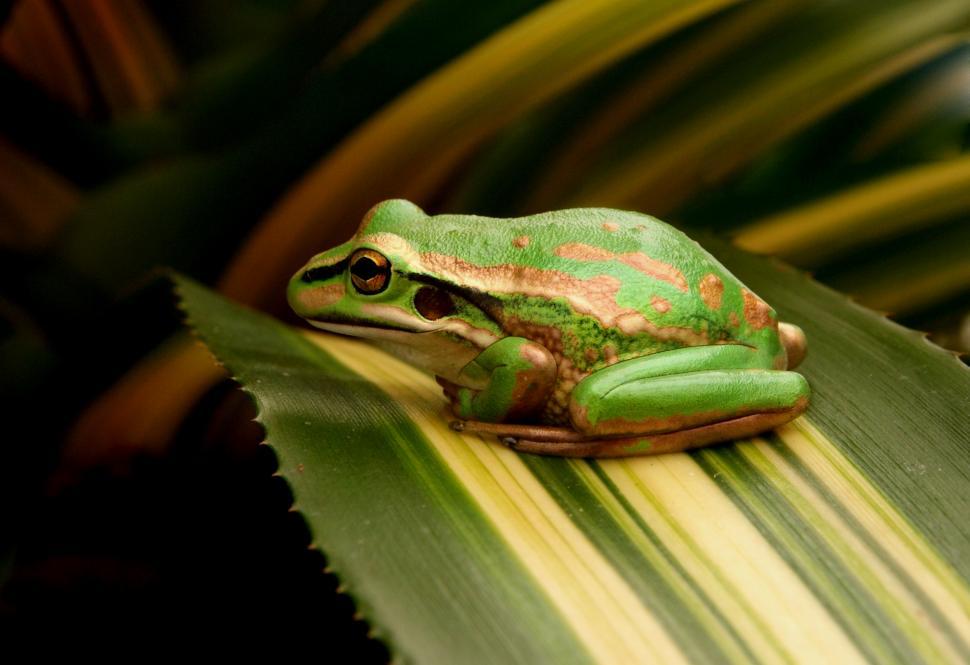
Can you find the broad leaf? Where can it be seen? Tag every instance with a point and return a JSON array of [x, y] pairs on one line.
[[843, 534], [413, 146]]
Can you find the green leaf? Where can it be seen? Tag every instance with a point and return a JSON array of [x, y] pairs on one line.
[[843, 533], [822, 229], [909, 274], [413, 146], [191, 211], [836, 53]]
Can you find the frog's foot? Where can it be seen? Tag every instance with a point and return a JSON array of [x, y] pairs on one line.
[[655, 444], [567, 442], [793, 339], [514, 377], [510, 432], [666, 402]]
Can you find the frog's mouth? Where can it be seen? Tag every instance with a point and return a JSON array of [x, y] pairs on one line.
[[356, 328]]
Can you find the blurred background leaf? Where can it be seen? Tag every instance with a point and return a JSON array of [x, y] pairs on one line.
[[232, 139]]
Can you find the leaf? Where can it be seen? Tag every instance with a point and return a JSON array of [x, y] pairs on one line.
[[843, 533], [109, 52], [840, 52], [667, 73], [34, 201], [414, 145], [909, 274], [822, 229], [34, 42], [141, 411], [190, 211]]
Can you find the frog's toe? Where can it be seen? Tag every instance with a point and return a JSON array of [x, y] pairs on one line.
[[514, 431], [669, 442], [796, 345]]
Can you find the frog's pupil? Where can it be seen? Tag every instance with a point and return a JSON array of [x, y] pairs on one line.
[[365, 268]]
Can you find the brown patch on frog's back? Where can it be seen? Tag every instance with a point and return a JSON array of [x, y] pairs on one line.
[[660, 304], [635, 323], [637, 260], [611, 227], [733, 319], [582, 252], [321, 296], [521, 242], [711, 288], [656, 269], [757, 312], [594, 297]]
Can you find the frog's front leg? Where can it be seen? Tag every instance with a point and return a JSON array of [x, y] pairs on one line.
[[676, 400], [516, 376]]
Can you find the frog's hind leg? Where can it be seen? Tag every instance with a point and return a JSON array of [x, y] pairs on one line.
[[677, 400]]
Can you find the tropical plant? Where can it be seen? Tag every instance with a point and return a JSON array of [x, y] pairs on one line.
[[230, 141]]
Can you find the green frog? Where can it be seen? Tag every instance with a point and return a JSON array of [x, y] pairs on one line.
[[587, 332]]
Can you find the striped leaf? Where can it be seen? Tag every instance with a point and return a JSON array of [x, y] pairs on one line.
[[824, 228], [839, 55], [108, 54], [414, 145], [843, 535]]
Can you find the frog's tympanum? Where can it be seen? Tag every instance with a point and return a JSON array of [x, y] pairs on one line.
[[587, 332]]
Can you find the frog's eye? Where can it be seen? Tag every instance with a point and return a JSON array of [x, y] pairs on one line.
[[370, 271]]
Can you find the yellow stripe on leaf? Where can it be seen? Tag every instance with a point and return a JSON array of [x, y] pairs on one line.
[[600, 607], [412, 147], [712, 143], [902, 201]]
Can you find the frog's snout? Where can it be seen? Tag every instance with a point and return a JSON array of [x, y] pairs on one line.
[[296, 293], [796, 345], [292, 293]]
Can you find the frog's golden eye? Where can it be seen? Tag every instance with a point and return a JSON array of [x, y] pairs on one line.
[[370, 271]]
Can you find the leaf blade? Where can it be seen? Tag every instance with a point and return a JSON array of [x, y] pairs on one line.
[[723, 553]]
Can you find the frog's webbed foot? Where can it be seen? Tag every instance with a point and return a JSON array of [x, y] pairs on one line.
[[793, 339], [566, 442]]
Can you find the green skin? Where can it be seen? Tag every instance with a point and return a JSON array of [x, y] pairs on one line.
[[608, 324]]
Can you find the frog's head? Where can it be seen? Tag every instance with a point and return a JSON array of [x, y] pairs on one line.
[[374, 286]]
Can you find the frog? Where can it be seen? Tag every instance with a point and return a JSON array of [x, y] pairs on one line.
[[587, 332]]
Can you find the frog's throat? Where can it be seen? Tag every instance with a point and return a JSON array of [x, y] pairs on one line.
[[367, 331], [442, 355], [413, 333]]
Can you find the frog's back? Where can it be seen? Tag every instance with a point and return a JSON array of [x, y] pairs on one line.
[[649, 286]]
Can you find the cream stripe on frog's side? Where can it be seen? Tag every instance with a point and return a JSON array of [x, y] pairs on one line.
[[605, 614]]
